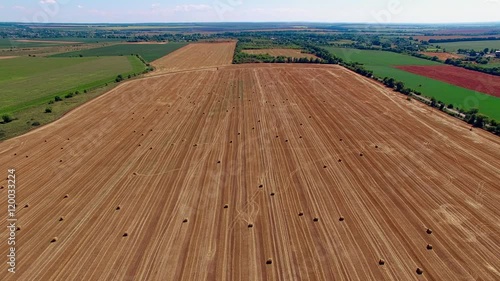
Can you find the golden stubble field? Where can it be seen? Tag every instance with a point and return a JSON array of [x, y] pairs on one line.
[[254, 172]]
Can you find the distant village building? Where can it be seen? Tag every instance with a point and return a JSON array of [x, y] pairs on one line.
[[497, 53]]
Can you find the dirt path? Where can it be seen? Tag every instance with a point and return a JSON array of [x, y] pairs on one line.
[[280, 145]]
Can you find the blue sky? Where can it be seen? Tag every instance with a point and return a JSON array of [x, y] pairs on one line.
[[372, 11]]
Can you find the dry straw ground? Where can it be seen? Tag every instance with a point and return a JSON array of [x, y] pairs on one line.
[[339, 178]]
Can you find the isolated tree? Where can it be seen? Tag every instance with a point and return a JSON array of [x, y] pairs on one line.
[[389, 82], [480, 121], [7, 118], [400, 86], [433, 102]]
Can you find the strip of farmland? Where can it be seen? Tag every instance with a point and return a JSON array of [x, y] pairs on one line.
[[254, 172], [195, 56]]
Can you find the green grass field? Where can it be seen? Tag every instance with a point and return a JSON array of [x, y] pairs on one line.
[[475, 45], [13, 43], [490, 65], [28, 82], [8, 43], [149, 52], [382, 64]]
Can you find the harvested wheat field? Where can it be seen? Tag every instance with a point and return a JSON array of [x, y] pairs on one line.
[[292, 53], [196, 56], [255, 172]]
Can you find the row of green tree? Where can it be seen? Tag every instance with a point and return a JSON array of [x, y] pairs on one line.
[[464, 39], [461, 63]]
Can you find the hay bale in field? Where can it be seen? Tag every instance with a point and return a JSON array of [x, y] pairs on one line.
[[429, 231], [118, 208], [341, 218], [269, 261], [361, 154], [261, 185], [125, 234], [53, 240], [381, 262], [185, 221], [18, 228], [376, 146], [61, 218], [226, 206], [340, 160], [250, 225], [218, 162], [429, 247], [324, 167], [315, 219], [272, 193], [419, 271], [301, 214], [27, 206], [66, 196]]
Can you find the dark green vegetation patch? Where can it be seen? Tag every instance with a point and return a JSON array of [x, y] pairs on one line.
[[149, 52]]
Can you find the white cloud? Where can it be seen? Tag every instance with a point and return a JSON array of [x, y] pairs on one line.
[[80, 6], [48, 1], [155, 5], [17, 7], [192, 7]]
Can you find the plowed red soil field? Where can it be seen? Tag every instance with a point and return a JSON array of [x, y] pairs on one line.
[[254, 172], [473, 80]]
